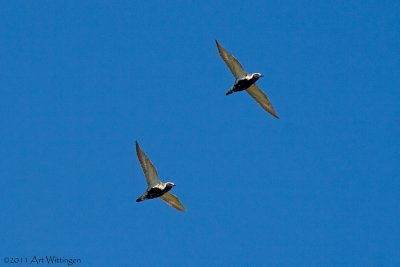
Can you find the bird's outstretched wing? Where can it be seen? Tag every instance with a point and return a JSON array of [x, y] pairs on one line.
[[232, 63], [149, 171], [172, 200], [262, 99]]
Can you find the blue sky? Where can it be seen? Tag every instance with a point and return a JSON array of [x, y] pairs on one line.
[[81, 81]]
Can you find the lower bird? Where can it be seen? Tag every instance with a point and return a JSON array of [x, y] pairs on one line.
[[156, 188], [245, 81]]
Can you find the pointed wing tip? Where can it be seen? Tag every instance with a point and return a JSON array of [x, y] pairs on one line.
[[219, 47], [177, 206], [275, 115], [181, 208], [137, 146], [272, 112]]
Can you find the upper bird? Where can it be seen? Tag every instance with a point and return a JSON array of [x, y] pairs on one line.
[[156, 188], [245, 81]]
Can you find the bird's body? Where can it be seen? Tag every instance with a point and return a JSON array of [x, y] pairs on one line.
[[156, 188], [245, 81], [156, 191]]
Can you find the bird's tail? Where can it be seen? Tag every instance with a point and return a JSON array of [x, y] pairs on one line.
[[230, 91], [141, 198]]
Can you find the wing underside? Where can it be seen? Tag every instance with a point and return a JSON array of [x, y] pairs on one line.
[[261, 99], [232, 63], [148, 168], [173, 201]]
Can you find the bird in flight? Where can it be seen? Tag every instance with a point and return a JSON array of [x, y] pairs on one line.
[[245, 81], [156, 188]]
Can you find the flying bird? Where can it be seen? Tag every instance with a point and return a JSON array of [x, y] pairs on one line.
[[156, 188], [245, 81]]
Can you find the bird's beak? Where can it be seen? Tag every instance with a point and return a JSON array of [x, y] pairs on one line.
[[261, 75]]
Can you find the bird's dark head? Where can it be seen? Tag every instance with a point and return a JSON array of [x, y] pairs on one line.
[[169, 185], [257, 75]]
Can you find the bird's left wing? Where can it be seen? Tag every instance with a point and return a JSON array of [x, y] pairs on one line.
[[232, 63], [149, 170], [262, 99], [172, 200]]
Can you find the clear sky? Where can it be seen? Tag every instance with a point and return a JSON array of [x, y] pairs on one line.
[[80, 81]]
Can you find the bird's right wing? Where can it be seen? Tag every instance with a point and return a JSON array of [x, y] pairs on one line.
[[232, 63], [149, 171], [173, 201], [262, 99]]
